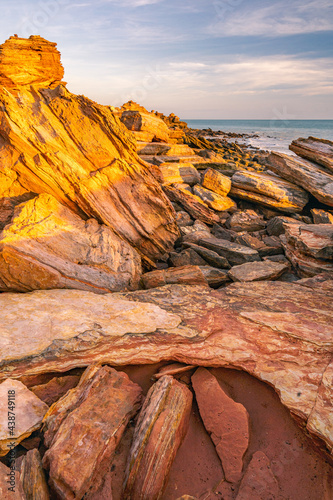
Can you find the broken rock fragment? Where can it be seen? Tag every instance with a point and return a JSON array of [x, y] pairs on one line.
[[225, 420], [160, 429]]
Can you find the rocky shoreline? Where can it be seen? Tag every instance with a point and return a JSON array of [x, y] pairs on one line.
[[166, 302]]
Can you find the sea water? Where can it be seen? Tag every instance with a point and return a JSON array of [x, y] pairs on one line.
[[274, 135]]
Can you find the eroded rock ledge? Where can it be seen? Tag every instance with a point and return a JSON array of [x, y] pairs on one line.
[[274, 331]]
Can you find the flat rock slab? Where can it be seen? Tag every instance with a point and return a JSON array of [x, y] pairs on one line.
[[312, 177], [215, 201], [226, 421], [33, 477], [269, 190], [178, 172], [187, 275], [211, 257], [259, 482], [233, 252], [192, 204], [46, 245], [272, 330], [83, 431], [257, 271], [216, 182], [21, 413], [246, 220], [161, 427], [317, 150], [315, 240]]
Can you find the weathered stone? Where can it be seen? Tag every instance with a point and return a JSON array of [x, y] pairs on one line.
[[234, 253], [5, 494], [152, 148], [173, 369], [317, 150], [186, 257], [195, 236], [215, 277], [80, 153], [310, 176], [160, 429], [210, 256], [257, 271], [270, 329], [223, 233], [55, 388], [276, 225], [183, 219], [146, 122], [178, 172], [192, 204], [33, 477], [322, 282], [84, 428], [26, 412], [187, 275], [247, 220], [259, 482], [32, 61], [321, 216], [226, 421], [309, 247], [216, 182], [46, 245], [250, 241], [269, 190], [213, 200]]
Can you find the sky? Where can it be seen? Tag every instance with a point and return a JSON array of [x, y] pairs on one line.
[[207, 59]]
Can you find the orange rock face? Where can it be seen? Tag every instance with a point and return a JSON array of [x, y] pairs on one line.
[[32, 61], [79, 152]]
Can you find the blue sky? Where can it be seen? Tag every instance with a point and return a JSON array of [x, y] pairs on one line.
[[227, 59]]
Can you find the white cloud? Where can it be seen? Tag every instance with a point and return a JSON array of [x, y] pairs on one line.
[[278, 19]]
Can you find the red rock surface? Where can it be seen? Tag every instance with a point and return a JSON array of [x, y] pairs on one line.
[[161, 427], [259, 482], [226, 421], [84, 428]]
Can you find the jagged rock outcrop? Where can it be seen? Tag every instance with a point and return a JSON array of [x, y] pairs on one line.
[[269, 190], [48, 246], [79, 152], [272, 330], [317, 150], [312, 177], [32, 61]]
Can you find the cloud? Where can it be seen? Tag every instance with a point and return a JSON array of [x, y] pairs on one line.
[[282, 18]]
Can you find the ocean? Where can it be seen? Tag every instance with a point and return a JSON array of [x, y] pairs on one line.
[[274, 135]]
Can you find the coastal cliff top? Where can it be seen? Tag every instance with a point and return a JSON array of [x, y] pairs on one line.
[[29, 61]]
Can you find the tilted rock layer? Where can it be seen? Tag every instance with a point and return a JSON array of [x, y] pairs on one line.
[[54, 142]]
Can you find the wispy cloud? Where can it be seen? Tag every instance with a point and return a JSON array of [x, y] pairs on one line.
[[280, 18]]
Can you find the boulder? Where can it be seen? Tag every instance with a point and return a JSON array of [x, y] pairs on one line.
[[321, 216], [161, 427], [211, 257], [276, 225], [179, 172], [139, 121], [213, 200], [317, 150], [313, 178], [83, 429], [21, 413], [257, 271], [216, 182], [55, 388], [192, 204], [33, 61], [215, 277], [32, 477], [226, 421], [269, 190], [309, 247], [272, 330], [46, 245], [189, 275], [234, 253], [79, 152], [259, 482], [186, 257], [246, 220], [183, 219]]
